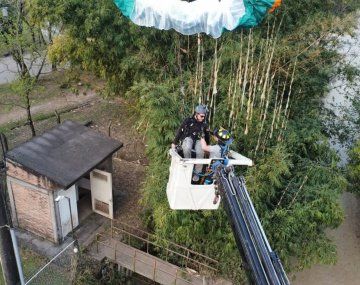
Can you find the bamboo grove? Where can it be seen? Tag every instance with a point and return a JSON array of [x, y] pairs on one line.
[[264, 84]]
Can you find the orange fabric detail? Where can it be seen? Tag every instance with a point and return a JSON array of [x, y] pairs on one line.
[[276, 4]]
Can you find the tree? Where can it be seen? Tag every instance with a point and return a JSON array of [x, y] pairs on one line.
[[23, 38], [354, 168], [265, 84]]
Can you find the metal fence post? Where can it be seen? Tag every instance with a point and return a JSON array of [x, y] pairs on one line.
[[176, 276], [134, 261], [187, 258], [154, 270]]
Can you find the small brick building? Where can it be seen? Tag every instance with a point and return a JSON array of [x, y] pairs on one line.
[[55, 178]]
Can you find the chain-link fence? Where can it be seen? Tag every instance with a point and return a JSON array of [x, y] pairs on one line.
[[70, 266], [60, 269]]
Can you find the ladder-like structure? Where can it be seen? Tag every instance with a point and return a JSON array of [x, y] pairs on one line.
[[159, 260]]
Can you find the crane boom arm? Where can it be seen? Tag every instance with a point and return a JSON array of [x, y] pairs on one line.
[[264, 265]]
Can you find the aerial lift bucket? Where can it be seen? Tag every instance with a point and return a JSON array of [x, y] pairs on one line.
[[182, 194]]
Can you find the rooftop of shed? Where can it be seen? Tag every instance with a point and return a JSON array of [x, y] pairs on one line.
[[65, 153]]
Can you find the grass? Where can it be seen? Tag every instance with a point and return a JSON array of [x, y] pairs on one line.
[[50, 86], [32, 262]]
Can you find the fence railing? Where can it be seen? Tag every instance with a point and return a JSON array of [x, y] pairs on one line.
[[164, 249], [142, 242], [180, 274]]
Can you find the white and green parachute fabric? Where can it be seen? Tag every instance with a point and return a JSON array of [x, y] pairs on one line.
[[201, 16]]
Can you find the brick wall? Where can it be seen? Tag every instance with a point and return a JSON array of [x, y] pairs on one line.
[[31, 205], [19, 172], [33, 210]]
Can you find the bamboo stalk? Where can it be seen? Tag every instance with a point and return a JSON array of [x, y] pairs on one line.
[[239, 82], [266, 48], [209, 93], [286, 111], [289, 95], [232, 95], [281, 100], [297, 193], [251, 89], [246, 71], [267, 74], [214, 89], [255, 89], [268, 97], [275, 109], [197, 64]]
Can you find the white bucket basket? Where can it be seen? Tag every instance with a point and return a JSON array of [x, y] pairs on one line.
[[182, 195]]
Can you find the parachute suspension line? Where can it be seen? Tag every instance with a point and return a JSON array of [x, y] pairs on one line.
[[217, 61]]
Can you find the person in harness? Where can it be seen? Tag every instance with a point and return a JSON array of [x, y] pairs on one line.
[[219, 150], [189, 134], [187, 138]]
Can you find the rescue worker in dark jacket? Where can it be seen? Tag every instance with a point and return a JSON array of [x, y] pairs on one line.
[[190, 133]]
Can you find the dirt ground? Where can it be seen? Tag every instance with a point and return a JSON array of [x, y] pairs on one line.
[[53, 92], [129, 162]]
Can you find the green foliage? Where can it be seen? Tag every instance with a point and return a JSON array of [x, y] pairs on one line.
[[354, 168], [23, 86], [295, 183]]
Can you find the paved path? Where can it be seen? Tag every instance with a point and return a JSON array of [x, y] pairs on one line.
[[58, 103], [347, 239], [9, 69]]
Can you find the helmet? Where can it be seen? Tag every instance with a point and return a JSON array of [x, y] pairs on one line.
[[222, 134], [201, 109]]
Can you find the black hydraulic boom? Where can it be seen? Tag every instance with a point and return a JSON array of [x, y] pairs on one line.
[[264, 265]]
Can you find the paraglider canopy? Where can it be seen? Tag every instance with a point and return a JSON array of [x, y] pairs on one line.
[[200, 16]]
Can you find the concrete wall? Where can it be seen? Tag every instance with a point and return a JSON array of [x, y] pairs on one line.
[[32, 201]]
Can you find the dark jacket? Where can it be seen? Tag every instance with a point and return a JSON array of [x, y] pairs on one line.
[[190, 127]]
